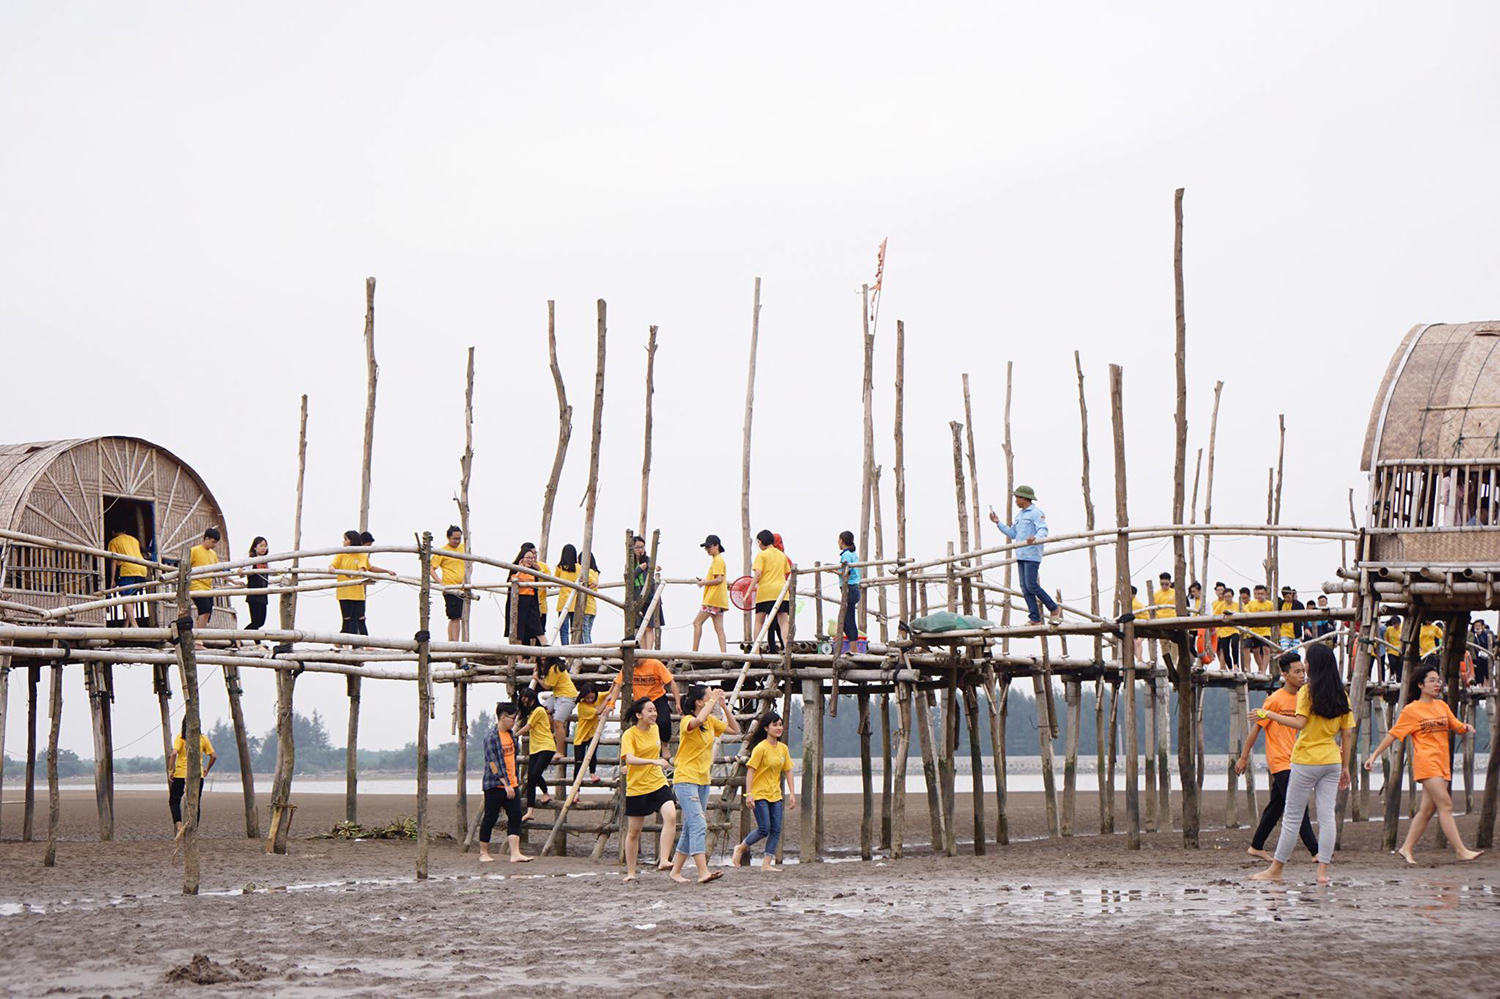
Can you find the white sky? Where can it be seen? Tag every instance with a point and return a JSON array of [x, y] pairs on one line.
[[191, 198]]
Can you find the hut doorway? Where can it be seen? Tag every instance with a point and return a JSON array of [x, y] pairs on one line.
[[136, 517]]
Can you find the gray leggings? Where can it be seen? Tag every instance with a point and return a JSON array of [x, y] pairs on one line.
[[1321, 785]]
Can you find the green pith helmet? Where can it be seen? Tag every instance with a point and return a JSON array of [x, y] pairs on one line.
[[1025, 492]]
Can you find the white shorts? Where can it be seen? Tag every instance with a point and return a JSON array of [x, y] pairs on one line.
[[562, 708]]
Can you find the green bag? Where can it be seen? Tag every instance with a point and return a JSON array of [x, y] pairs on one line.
[[945, 621]]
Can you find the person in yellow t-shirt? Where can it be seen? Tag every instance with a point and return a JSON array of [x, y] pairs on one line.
[[128, 576], [1165, 600], [1261, 649], [351, 596], [541, 747], [590, 712], [1138, 608], [567, 599], [715, 593], [646, 790], [768, 572], [448, 572], [704, 718], [768, 770], [177, 768], [1226, 637], [1320, 759], [1429, 641], [1392, 649], [200, 589], [552, 674]]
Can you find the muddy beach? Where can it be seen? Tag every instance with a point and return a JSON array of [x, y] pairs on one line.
[[1039, 917]]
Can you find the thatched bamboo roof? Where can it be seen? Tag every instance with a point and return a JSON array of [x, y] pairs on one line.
[[1440, 397]]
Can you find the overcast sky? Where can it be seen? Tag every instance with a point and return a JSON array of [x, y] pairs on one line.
[[191, 198]]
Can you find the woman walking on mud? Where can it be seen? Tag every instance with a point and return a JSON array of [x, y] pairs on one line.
[[646, 790], [1320, 759], [691, 781], [1428, 720], [769, 768]]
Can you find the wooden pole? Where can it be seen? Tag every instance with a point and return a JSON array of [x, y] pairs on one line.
[[886, 776], [1208, 492], [1151, 820], [868, 479], [54, 804], [33, 677], [1010, 485], [923, 722], [242, 750], [745, 557], [903, 747], [995, 698], [1187, 695], [1072, 696], [1040, 681], [286, 680], [976, 764], [1486, 835], [564, 433], [591, 497], [812, 721], [372, 373], [187, 662], [973, 483], [900, 469], [1193, 513], [466, 468], [1276, 516], [94, 686], [4, 704], [424, 698], [646, 451], [1122, 602], [866, 778]]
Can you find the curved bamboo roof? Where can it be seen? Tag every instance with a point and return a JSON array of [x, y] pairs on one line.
[[1440, 397]]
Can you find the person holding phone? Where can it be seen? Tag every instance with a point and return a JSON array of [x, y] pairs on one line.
[[1030, 528]]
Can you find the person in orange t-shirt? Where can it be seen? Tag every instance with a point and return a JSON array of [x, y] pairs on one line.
[[1428, 721], [652, 680], [1279, 742]]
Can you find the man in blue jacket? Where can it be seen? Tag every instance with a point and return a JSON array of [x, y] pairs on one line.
[[1030, 526]]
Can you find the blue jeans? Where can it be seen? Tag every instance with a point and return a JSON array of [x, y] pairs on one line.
[[851, 616], [692, 801], [767, 825], [585, 634], [1031, 589]]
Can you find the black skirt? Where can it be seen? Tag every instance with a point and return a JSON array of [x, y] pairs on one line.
[[639, 805], [529, 623]]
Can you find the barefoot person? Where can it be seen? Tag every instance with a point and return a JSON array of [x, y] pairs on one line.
[[690, 775], [540, 747], [502, 785], [201, 588], [1428, 721], [590, 711], [448, 572], [1320, 759], [715, 593], [177, 771], [646, 791], [1279, 743], [1030, 527], [769, 768], [553, 675]]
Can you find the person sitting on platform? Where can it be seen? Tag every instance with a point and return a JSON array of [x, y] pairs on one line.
[[1279, 743], [1428, 720], [1030, 527]]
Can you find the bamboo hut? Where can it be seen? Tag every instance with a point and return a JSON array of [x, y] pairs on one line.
[[80, 492]]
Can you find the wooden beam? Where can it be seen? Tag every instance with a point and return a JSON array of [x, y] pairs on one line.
[[564, 433], [745, 555], [424, 698], [646, 450]]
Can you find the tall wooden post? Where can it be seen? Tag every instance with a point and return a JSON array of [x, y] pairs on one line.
[[1486, 836], [866, 778], [903, 747], [1208, 492], [923, 723], [424, 698], [564, 432], [591, 498], [372, 375], [187, 662], [33, 677], [745, 557], [49, 857], [242, 750], [995, 696], [93, 678], [1123, 607], [646, 451], [466, 468], [1187, 693], [4, 704], [812, 722], [976, 764], [1010, 486], [867, 480]]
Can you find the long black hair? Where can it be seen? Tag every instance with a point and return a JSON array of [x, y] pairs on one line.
[[1418, 675], [1326, 690], [693, 699], [525, 547], [568, 560], [633, 713], [764, 722], [351, 538], [258, 540], [526, 700]]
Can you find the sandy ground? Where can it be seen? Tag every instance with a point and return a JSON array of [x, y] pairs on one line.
[[1038, 917]]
